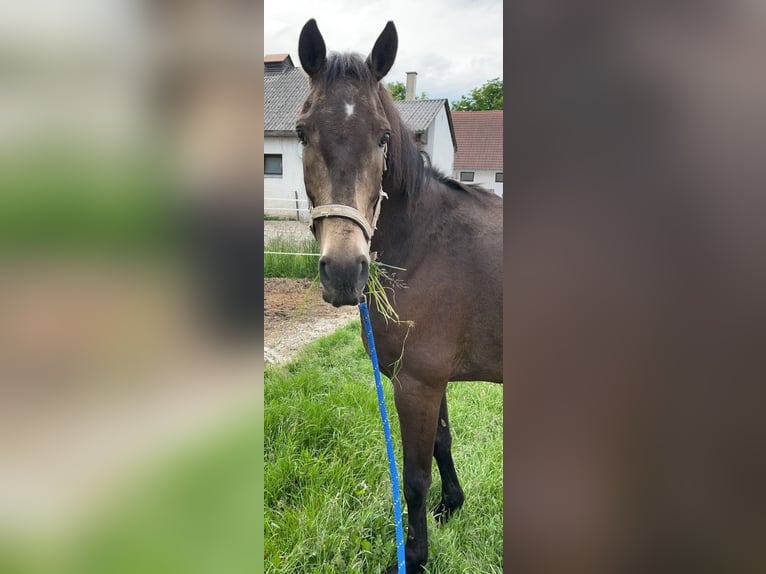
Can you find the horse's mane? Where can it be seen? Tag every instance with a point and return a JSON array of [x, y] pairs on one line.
[[408, 168], [452, 183], [449, 181]]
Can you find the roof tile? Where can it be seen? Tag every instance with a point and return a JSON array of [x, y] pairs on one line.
[[479, 139], [418, 114], [283, 96]]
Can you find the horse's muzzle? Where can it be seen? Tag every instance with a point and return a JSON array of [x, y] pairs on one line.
[[343, 279]]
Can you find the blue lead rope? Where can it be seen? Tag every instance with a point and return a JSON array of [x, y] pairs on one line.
[[364, 312]]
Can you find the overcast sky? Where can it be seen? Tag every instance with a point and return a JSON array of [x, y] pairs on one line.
[[453, 45]]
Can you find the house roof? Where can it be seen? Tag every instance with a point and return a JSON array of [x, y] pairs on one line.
[[479, 139], [283, 96], [276, 64], [285, 92], [419, 114], [276, 58]]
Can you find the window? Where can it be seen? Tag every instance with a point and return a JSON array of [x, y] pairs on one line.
[[466, 176], [272, 164], [499, 177]]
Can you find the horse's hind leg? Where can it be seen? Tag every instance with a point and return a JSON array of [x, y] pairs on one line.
[[418, 407], [452, 494]]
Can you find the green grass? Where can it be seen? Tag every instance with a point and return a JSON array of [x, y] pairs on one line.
[[201, 513], [327, 489], [293, 266]]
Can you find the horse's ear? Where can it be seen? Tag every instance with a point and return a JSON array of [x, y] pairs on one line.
[[311, 49], [383, 53]]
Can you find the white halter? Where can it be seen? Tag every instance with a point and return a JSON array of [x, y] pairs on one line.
[[348, 212]]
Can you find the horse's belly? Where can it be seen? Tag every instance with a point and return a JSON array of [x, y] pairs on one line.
[[488, 369], [479, 354]]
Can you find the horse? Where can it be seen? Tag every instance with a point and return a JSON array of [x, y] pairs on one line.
[[373, 195]]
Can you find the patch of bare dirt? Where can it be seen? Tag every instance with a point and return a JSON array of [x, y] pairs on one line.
[[295, 314]]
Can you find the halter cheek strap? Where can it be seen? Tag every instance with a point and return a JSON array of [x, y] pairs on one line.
[[348, 212]]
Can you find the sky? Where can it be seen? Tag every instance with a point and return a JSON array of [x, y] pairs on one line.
[[453, 45], [55, 22]]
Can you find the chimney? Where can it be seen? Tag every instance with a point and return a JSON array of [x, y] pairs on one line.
[[409, 94]]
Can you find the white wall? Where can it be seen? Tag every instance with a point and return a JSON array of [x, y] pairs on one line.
[[483, 177], [439, 146], [279, 191]]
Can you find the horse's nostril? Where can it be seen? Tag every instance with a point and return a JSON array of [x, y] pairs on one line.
[[343, 278], [324, 265], [364, 266]]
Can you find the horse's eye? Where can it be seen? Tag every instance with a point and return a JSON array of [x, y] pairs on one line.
[[384, 139], [301, 133]]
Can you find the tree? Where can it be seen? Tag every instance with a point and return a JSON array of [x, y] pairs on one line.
[[399, 91], [488, 97]]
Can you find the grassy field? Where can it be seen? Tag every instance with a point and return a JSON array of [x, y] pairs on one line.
[[327, 490], [293, 266]]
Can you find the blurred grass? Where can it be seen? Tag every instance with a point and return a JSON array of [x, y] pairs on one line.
[[292, 266], [201, 513], [57, 201]]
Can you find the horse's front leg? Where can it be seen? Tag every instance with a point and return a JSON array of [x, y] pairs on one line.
[[418, 407]]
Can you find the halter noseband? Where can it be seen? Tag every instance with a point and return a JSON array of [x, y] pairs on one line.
[[348, 212]]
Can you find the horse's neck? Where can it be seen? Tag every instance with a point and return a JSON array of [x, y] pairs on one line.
[[404, 214], [402, 221]]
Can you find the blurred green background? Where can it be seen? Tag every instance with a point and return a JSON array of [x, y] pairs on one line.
[[130, 386], [57, 201]]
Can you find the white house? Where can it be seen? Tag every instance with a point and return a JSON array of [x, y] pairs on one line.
[[431, 122], [479, 157], [285, 89]]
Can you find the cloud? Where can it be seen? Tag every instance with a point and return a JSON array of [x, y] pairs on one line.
[[272, 28], [454, 45]]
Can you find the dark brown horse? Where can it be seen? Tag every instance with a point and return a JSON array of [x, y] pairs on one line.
[[360, 161]]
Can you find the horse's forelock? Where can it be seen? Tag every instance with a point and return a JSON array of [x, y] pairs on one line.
[[345, 66]]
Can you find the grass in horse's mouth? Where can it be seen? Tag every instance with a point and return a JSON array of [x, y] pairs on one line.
[[379, 292]]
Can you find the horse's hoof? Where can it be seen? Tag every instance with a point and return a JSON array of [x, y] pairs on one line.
[[442, 512]]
